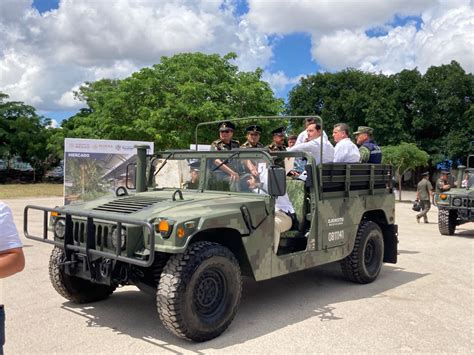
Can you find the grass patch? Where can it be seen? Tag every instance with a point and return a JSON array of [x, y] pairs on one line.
[[30, 190]]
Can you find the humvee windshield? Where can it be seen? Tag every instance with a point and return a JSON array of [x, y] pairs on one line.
[[210, 173]]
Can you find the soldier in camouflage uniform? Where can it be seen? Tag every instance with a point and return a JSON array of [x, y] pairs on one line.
[[225, 141], [278, 145], [226, 172], [369, 151], [253, 141]]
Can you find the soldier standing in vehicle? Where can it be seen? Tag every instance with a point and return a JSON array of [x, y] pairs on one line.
[[369, 151], [278, 145], [225, 141], [442, 183], [424, 193], [253, 137], [253, 141]]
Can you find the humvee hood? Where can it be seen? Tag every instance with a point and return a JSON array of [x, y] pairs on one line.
[[160, 203]]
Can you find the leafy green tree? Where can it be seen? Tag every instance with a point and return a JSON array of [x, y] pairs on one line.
[[23, 133], [433, 110], [404, 157], [164, 103]]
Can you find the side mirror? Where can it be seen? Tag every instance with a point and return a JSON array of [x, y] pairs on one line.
[[276, 181]]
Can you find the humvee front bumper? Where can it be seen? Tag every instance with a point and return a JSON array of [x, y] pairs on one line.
[[84, 235]]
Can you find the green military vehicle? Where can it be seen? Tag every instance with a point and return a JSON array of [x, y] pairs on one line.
[[456, 206], [191, 246]]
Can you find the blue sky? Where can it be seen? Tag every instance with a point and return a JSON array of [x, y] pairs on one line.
[[48, 48]]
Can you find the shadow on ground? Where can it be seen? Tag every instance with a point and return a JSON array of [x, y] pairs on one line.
[[266, 306]]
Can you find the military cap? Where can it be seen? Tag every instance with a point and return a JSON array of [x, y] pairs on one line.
[[425, 173], [445, 172], [254, 128], [279, 130], [194, 165], [225, 126], [363, 129]]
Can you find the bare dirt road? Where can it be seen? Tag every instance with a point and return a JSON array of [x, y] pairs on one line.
[[425, 303]]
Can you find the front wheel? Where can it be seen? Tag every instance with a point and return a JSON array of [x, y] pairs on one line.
[[199, 291], [73, 288], [447, 221], [364, 263]]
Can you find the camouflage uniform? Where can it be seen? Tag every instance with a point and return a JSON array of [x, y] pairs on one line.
[[278, 148], [248, 145], [218, 144]]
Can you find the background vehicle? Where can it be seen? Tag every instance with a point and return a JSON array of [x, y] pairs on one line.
[[191, 246], [456, 206]]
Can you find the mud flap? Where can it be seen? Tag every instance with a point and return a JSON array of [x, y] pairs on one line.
[[390, 239]]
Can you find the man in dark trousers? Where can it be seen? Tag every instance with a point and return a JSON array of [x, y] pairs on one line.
[[424, 193]]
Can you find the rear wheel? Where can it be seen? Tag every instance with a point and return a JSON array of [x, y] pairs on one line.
[[73, 288], [447, 221], [364, 263], [199, 291]]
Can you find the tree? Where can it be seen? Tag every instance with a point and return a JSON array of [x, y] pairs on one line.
[[404, 157], [23, 133], [164, 103]]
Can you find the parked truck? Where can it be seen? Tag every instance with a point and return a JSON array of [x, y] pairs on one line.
[[191, 246]]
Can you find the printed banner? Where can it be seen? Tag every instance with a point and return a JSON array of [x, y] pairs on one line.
[[95, 167]]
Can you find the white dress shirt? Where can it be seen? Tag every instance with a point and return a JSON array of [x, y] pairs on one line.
[[314, 148], [304, 135], [346, 152]]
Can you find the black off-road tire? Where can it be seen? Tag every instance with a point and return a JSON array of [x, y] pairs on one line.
[[447, 221], [364, 263], [199, 291], [73, 288]]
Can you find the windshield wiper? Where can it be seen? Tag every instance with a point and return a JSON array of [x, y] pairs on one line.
[[163, 164], [226, 160]]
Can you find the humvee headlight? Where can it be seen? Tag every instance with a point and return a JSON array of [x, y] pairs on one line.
[[457, 202], [59, 228], [443, 196], [115, 237], [164, 227]]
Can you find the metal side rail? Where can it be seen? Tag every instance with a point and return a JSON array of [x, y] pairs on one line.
[[69, 245]]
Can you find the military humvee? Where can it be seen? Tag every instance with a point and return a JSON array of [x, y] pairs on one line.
[[191, 246], [456, 206]]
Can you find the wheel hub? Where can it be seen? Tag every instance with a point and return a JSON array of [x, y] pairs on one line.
[[209, 292]]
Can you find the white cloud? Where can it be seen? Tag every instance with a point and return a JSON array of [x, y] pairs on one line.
[[43, 57], [443, 37], [279, 80]]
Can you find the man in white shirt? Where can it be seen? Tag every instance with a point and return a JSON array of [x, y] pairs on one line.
[[303, 136], [313, 145], [345, 151], [11, 257], [283, 207]]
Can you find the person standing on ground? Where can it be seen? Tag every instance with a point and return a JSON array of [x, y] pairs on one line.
[[369, 151], [424, 193], [345, 151], [12, 259]]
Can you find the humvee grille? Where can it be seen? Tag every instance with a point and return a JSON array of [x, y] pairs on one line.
[[129, 204]]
